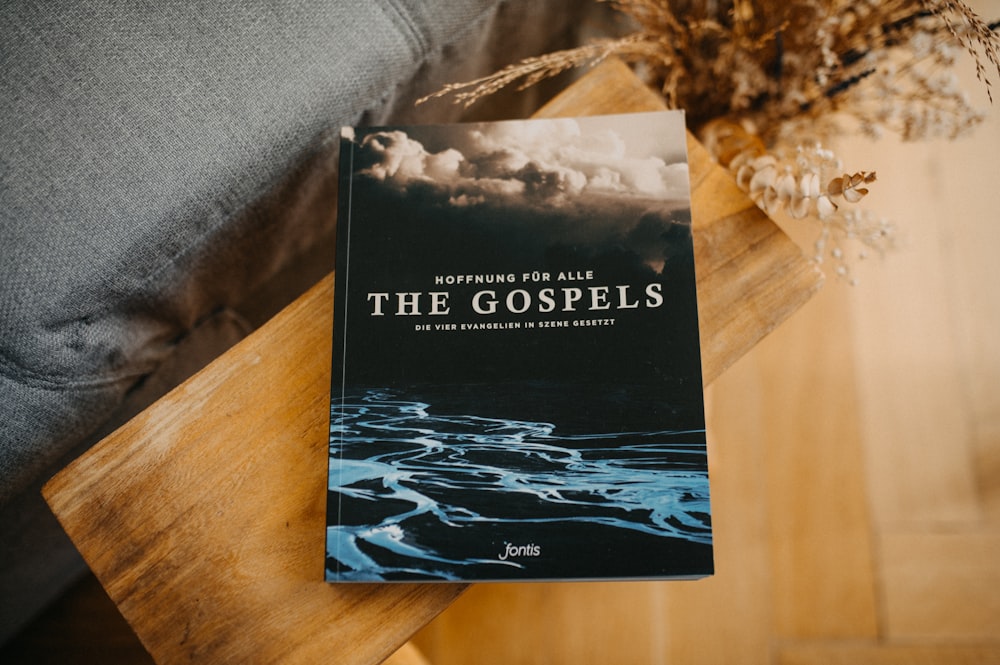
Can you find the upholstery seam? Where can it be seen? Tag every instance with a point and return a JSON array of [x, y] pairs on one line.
[[404, 18], [17, 372]]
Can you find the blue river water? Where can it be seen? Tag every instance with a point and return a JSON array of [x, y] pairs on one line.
[[417, 494]]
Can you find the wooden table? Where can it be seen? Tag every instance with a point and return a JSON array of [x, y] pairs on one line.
[[204, 517]]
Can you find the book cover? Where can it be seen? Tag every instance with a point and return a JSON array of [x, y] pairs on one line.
[[516, 390]]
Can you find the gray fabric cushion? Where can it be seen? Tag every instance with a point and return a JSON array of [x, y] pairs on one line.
[[135, 138], [161, 160]]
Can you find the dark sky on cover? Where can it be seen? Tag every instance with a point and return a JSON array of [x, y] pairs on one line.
[[607, 194]]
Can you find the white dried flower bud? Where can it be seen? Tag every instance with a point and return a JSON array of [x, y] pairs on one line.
[[810, 185], [763, 178], [825, 207], [785, 186], [799, 207], [771, 201]]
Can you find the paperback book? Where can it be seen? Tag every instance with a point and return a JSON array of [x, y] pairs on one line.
[[516, 386]]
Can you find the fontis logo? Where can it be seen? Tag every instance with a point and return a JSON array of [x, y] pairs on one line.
[[511, 551]]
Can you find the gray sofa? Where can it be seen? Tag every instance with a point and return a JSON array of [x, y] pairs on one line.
[[166, 184]]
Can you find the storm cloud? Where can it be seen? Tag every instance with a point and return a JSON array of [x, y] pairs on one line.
[[523, 163]]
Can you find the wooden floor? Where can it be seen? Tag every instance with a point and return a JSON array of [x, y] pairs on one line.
[[855, 464]]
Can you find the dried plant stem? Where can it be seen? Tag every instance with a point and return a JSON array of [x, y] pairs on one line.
[[974, 35], [533, 70]]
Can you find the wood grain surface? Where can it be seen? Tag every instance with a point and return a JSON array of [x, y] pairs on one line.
[[203, 517]]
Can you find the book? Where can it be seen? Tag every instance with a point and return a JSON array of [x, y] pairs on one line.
[[516, 387]]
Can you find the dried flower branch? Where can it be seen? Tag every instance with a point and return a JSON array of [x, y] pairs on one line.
[[766, 85], [805, 182]]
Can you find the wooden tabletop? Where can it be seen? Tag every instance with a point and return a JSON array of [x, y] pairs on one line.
[[204, 517]]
